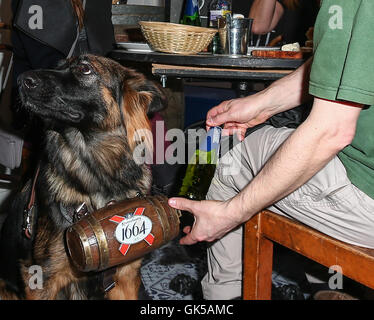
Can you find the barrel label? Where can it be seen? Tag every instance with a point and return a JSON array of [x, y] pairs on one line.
[[132, 228]]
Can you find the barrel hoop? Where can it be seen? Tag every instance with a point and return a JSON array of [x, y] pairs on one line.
[[164, 222], [173, 215], [101, 241], [86, 246]]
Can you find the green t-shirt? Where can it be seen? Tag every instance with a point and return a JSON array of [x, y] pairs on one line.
[[343, 69]]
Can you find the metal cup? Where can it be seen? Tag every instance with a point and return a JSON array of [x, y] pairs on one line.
[[234, 34]]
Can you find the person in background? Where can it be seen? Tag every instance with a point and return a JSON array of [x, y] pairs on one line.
[[45, 33], [321, 173], [291, 19], [53, 32]]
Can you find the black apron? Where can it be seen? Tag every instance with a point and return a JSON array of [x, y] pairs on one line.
[[59, 28]]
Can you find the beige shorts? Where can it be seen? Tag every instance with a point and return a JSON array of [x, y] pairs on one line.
[[328, 202]]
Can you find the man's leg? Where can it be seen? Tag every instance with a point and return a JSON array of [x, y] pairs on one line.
[[234, 171], [331, 204], [328, 202]]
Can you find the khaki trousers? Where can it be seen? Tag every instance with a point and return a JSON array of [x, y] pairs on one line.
[[328, 202]]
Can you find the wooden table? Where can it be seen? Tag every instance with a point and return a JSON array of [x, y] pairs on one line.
[[217, 73], [209, 66], [240, 72]]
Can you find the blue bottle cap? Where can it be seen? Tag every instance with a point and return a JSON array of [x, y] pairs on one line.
[[192, 6], [211, 143]]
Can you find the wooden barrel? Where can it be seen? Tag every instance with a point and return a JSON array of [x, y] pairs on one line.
[[121, 232]]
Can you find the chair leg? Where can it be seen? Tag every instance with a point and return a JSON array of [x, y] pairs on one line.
[[257, 262]]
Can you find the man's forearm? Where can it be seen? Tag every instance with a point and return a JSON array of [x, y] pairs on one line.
[[290, 167], [301, 156], [288, 92], [266, 15]]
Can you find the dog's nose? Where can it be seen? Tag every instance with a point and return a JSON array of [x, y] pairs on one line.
[[30, 82]]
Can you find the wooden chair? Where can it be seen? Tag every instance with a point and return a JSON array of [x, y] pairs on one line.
[[267, 227]]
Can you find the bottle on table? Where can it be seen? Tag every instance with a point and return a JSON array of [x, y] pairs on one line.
[[217, 8], [191, 13]]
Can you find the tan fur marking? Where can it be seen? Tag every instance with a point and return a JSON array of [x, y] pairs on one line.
[[60, 271], [62, 191], [113, 119], [134, 106], [5, 294], [127, 280]]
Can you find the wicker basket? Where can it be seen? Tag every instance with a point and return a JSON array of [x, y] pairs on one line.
[[176, 38]]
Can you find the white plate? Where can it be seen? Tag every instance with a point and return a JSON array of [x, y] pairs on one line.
[[134, 46]]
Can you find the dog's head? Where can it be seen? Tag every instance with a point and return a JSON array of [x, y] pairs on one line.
[[91, 92]]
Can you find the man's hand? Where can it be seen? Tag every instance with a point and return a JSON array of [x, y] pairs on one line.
[[213, 219], [238, 115]]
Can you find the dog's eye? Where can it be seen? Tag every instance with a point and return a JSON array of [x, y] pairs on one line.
[[84, 68]]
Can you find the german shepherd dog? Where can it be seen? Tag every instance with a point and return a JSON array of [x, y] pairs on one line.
[[91, 107]]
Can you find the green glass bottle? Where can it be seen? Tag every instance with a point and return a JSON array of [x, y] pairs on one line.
[[201, 167], [191, 13]]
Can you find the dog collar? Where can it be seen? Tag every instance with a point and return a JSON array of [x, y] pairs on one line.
[[29, 212], [72, 214]]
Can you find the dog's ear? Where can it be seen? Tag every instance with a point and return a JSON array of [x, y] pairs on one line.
[[141, 98], [155, 92], [159, 101], [144, 86]]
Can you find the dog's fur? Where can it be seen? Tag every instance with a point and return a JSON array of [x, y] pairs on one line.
[[91, 107]]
